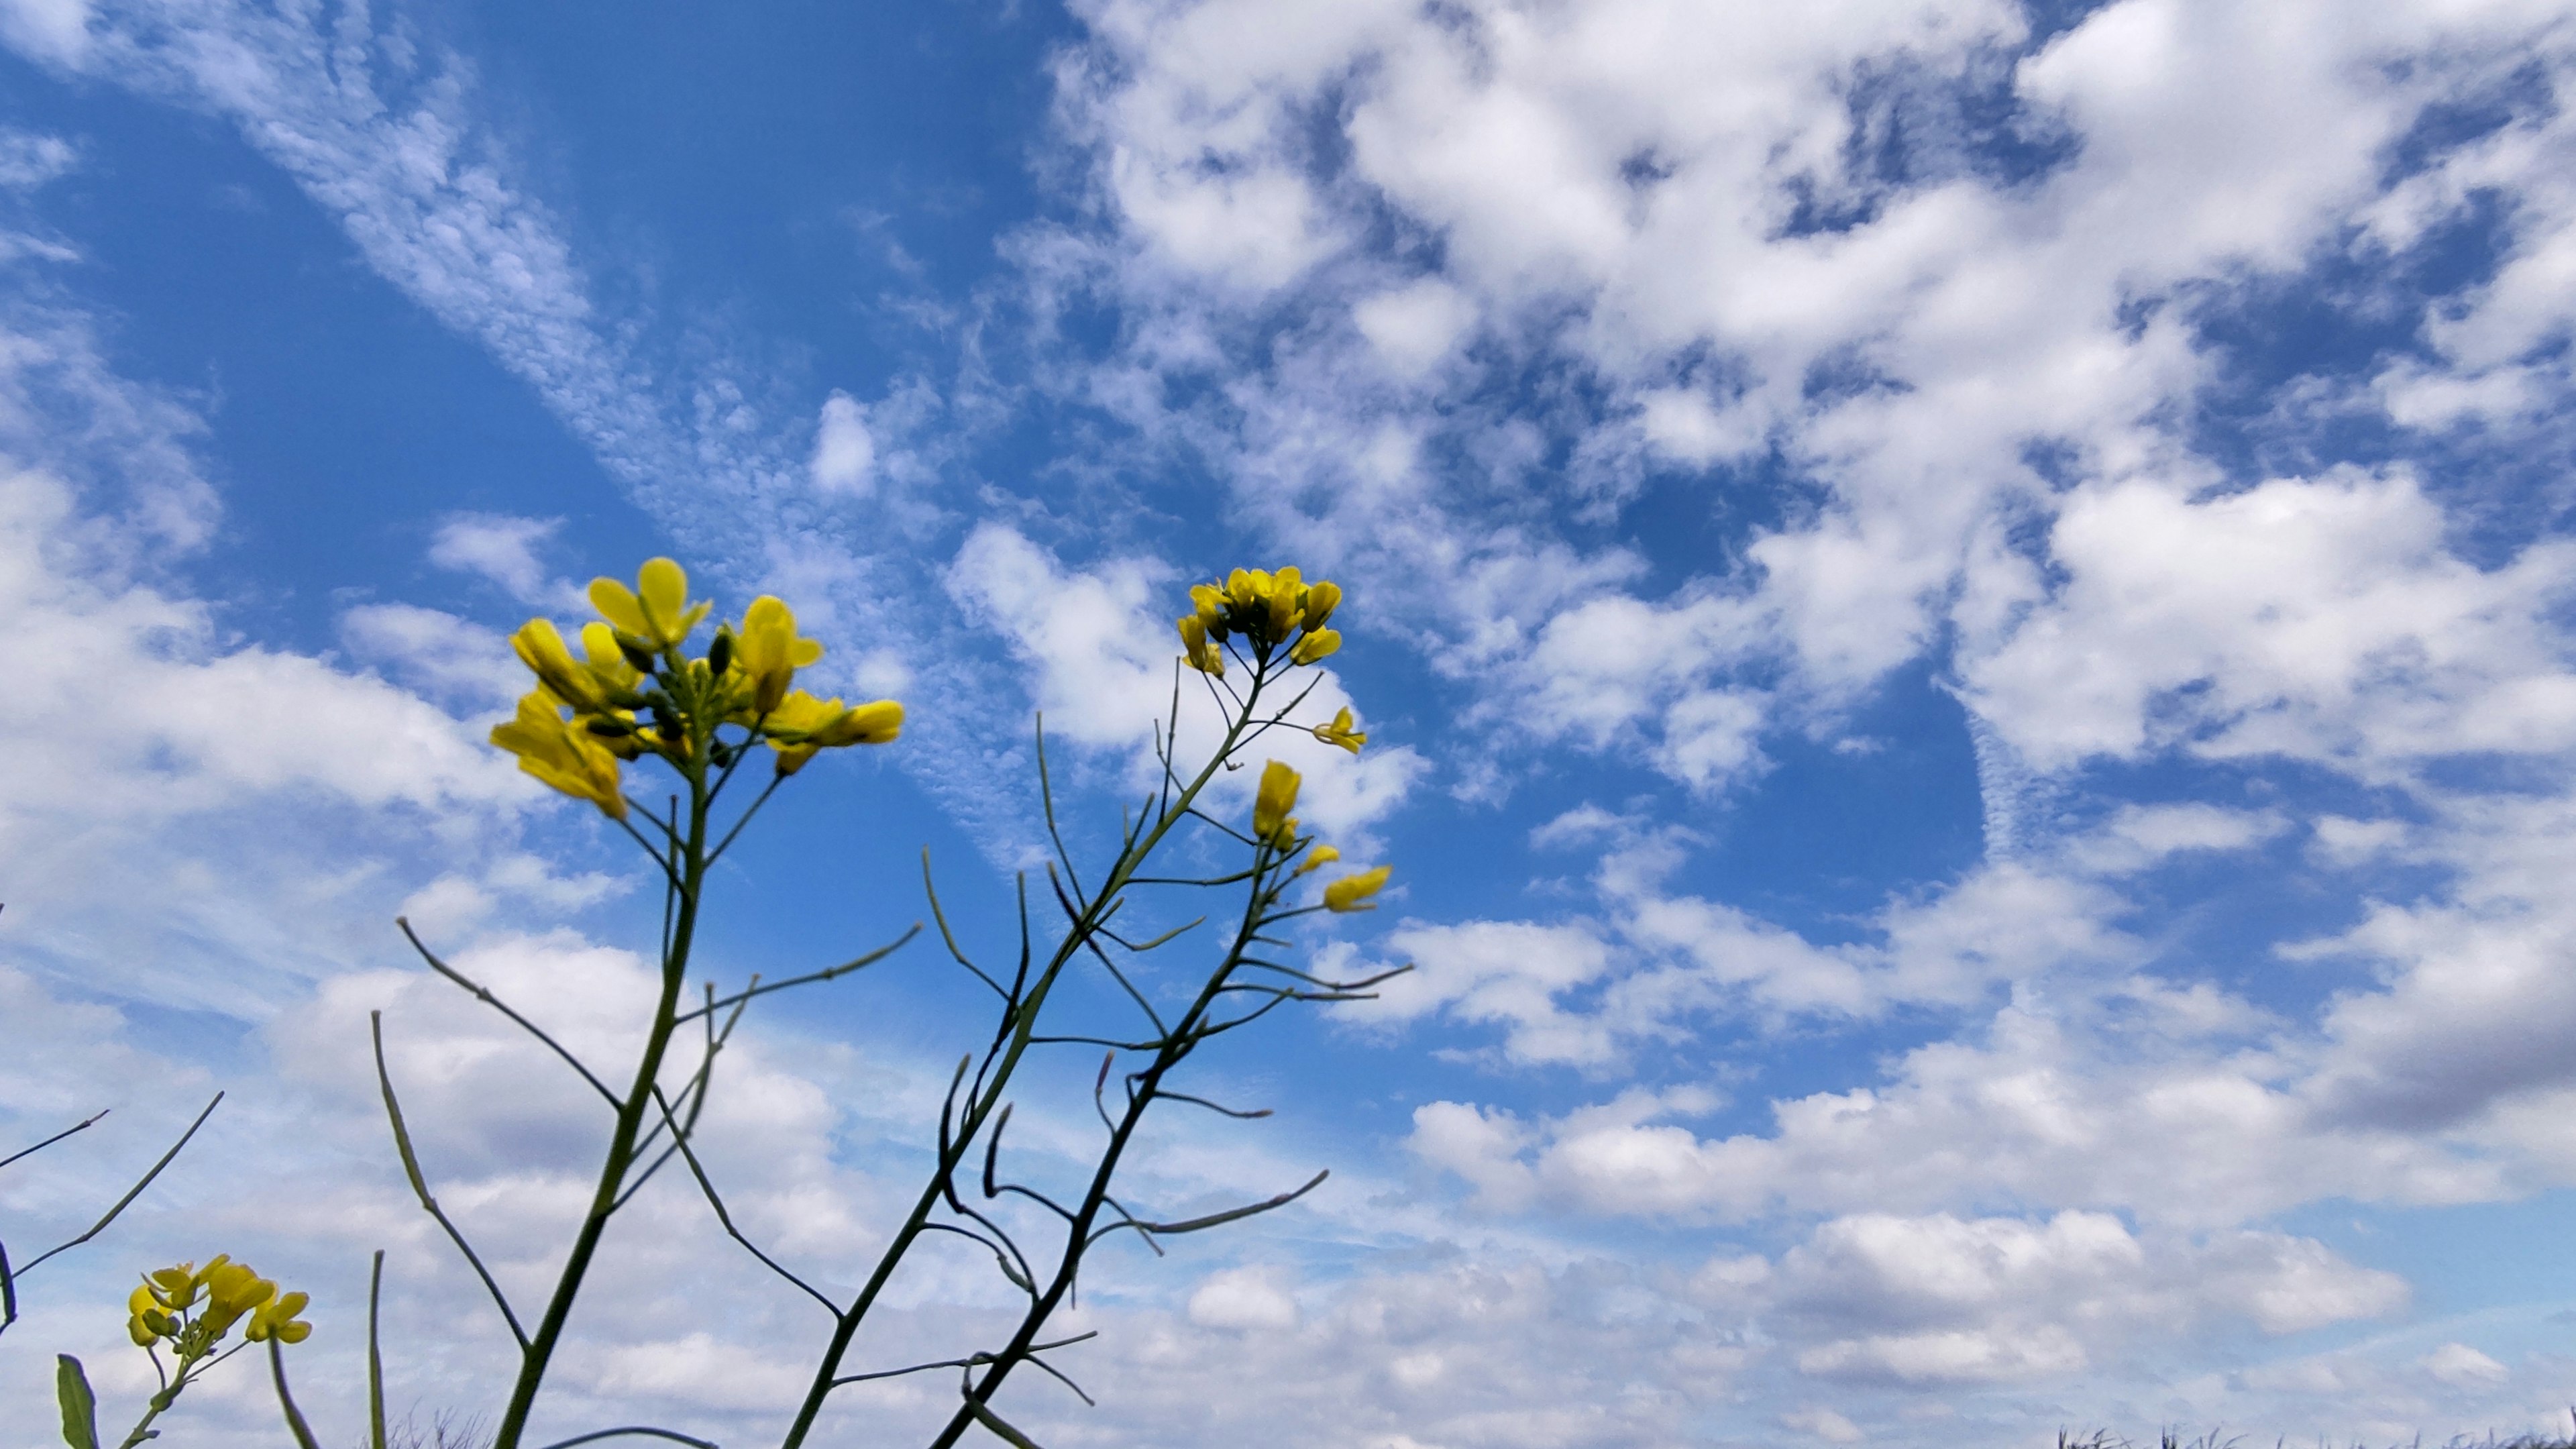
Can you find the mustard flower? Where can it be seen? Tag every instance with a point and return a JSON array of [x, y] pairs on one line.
[[1268, 609], [1270, 806], [1339, 732], [277, 1320], [1317, 859], [608, 663], [657, 610], [232, 1290], [176, 1287], [769, 653], [802, 725], [542, 650], [1203, 654], [568, 758], [1321, 599], [145, 1322], [1316, 645], [1354, 892]]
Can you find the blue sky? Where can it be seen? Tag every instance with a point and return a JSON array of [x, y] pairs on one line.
[[1963, 611]]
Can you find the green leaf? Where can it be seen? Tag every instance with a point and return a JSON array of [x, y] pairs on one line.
[[80, 1406]]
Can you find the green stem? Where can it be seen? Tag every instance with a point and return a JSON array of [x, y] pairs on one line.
[[160, 1402], [630, 1118], [1024, 1025], [1176, 1046]]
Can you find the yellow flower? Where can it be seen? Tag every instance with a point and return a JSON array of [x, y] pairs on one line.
[[1339, 732], [657, 610], [1353, 892], [542, 650], [1209, 600], [769, 653], [1317, 859], [608, 664], [1321, 600], [145, 1323], [176, 1287], [802, 724], [1204, 656], [1267, 609], [1270, 807], [277, 1320], [569, 758], [1287, 600], [232, 1290]]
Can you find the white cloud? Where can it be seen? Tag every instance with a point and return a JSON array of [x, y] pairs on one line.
[[1243, 1298], [1416, 325], [503, 548], [2464, 1367], [2319, 619], [29, 159], [845, 456], [437, 652]]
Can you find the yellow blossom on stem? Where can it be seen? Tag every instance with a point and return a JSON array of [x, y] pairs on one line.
[[568, 757], [1268, 610], [1203, 654], [657, 610], [1321, 600], [542, 650], [1270, 806], [145, 1323], [1355, 892], [232, 1290], [769, 653], [277, 1320], [608, 663], [1317, 859], [802, 725], [1339, 732]]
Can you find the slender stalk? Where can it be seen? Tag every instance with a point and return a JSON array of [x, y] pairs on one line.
[[1174, 1047], [1020, 1023], [630, 1117]]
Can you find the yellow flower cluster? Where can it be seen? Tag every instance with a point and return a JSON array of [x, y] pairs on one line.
[[633, 692], [1274, 827], [192, 1308], [1267, 611]]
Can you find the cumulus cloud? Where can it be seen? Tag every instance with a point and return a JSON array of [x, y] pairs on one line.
[[845, 456]]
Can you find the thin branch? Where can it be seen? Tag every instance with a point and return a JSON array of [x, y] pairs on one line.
[[1060, 1377], [639, 1430], [1138, 996], [855, 963], [375, 1356], [1164, 939], [1253, 1115], [716, 1200], [649, 848], [912, 1369], [993, 1421], [480, 993], [1046, 794], [131, 1193], [420, 1185], [80, 1126], [748, 811], [1193, 1225], [295, 1424], [950, 937]]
